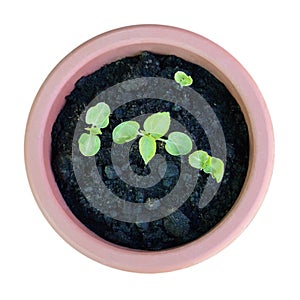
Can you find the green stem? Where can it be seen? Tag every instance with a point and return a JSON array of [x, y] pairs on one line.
[[94, 130], [162, 140], [157, 139]]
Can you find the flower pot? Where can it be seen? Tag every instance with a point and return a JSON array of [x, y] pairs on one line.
[[105, 49]]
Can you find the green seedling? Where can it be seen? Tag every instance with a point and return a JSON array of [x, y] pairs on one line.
[[183, 79], [155, 128], [210, 165], [98, 117]]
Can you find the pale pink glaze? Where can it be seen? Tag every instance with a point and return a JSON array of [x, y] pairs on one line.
[[107, 48]]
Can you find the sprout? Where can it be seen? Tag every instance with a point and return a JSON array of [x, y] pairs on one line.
[[210, 165], [98, 117], [183, 79], [155, 127]]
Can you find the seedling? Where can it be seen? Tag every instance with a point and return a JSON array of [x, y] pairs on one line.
[[210, 165], [183, 79], [155, 127], [98, 117]]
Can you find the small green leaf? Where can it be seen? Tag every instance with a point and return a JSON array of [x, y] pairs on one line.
[[147, 147], [104, 123], [217, 168], [183, 79], [158, 124], [178, 143], [125, 132], [210, 165], [207, 167], [89, 144], [98, 115], [198, 159]]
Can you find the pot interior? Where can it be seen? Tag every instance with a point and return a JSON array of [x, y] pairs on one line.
[[180, 204]]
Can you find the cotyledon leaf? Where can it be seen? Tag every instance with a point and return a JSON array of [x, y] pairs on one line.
[[147, 147], [158, 124], [89, 144], [178, 143], [125, 132], [98, 115], [198, 159], [183, 79], [217, 168]]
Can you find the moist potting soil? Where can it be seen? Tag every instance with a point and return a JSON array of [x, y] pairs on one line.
[[191, 219]]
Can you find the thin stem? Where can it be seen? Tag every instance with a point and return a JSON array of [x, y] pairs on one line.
[[157, 139], [140, 133], [162, 140]]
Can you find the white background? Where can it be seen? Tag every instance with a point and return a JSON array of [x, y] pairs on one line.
[[263, 263]]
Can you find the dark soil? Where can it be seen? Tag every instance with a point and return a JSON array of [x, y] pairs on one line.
[[191, 220]]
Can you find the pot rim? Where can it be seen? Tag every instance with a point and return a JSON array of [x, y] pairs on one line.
[[106, 48]]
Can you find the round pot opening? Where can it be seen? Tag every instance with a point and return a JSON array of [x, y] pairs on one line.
[[165, 203]]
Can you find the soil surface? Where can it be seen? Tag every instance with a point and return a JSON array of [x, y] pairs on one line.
[[193, 218]]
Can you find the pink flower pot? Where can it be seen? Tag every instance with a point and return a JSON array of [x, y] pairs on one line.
[[107, 48]]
